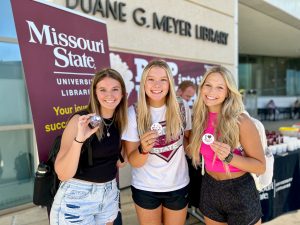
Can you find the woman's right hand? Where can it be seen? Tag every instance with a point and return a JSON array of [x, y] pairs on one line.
[[148, 140], [83, 129]]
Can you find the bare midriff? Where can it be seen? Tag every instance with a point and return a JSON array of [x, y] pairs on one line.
[[224, 176]]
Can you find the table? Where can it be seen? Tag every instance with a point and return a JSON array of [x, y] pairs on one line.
[[283, 195]]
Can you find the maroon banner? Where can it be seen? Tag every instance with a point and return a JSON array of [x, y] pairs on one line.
[[61, 50], [131, 67]]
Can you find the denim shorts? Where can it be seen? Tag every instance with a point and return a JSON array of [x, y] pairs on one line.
[[174, 200], [85, 203], [235, 201]]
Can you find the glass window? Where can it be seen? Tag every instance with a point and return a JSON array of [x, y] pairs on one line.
[[9, 52], [245, 75], [7, 24], [293, 77], [270, 76], [281, 76], [16, 168], [17, 145], [13, 95]]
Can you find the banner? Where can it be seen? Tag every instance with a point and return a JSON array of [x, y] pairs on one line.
[[61, 50], [131, 67]]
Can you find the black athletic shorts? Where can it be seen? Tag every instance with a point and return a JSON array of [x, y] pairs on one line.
[[235, 201], [174, 200]]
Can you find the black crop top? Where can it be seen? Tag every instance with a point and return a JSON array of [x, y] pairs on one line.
[[105, 156]]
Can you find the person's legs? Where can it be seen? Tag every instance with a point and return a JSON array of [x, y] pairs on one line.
[[258, 223], [149, 216], [155, 208], [212, 222], [73, 203], [110, 205], [85, 203], [298, 113], [174, 217], [211, 195], [148, 206], [242, 204], [274, 112], [175, 205], [111, 223]]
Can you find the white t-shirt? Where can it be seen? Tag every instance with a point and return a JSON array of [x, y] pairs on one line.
[[166, 167]]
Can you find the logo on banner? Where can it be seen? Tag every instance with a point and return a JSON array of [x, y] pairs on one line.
[[122, 67], [60, 60]]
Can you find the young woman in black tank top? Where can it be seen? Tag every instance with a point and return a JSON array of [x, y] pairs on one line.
[[88, 193]]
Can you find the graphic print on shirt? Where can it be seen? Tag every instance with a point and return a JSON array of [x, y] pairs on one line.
[[162, 149]]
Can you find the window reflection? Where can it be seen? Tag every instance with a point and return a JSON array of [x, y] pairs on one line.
[[13, 95], [269, 76], [16, 166], [9, 52], [7, 24]]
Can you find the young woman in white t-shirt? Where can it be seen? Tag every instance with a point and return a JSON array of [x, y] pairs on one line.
[[160, 173]]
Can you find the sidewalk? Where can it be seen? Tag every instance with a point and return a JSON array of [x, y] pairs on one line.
[[38, 216]]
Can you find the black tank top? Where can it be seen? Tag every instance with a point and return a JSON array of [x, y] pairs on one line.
[[105, 156]]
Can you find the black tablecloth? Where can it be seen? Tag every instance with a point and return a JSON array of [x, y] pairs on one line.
[[283, 195]]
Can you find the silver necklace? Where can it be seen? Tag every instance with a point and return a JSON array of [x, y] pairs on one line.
[[107, 126]]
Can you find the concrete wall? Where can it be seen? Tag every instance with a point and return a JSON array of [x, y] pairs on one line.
[[129, 37]]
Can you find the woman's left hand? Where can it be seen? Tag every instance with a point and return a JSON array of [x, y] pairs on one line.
[[221, 149], [121, 164]]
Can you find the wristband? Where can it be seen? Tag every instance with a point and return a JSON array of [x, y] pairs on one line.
[[141, 150], [81, 142], [228, 158]]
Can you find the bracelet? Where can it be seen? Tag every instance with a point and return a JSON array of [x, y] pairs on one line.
[[141, 150], [228, 158], [81, 142]]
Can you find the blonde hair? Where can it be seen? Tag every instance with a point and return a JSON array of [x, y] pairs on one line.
[[94, 106], [228, 119], [173, 117]]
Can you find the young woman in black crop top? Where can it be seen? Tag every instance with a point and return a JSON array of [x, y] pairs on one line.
[[88, 193]]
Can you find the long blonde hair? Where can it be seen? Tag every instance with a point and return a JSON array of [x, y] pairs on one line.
[[173, 117], [120, 113], [227, 126]]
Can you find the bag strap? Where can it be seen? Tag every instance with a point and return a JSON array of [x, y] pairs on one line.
[[90, 151]]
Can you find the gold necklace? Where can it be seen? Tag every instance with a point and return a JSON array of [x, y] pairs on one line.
[[107, 126]]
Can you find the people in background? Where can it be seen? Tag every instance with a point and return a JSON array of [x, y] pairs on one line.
[[88, 193], [296, 109], [160, 173], [220, 141], [272, 109], [186, 90]]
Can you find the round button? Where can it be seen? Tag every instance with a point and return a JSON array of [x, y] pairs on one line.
[[208, 138], [157, 127]]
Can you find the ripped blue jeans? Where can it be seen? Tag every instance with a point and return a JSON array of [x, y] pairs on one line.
[[85, 203]]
